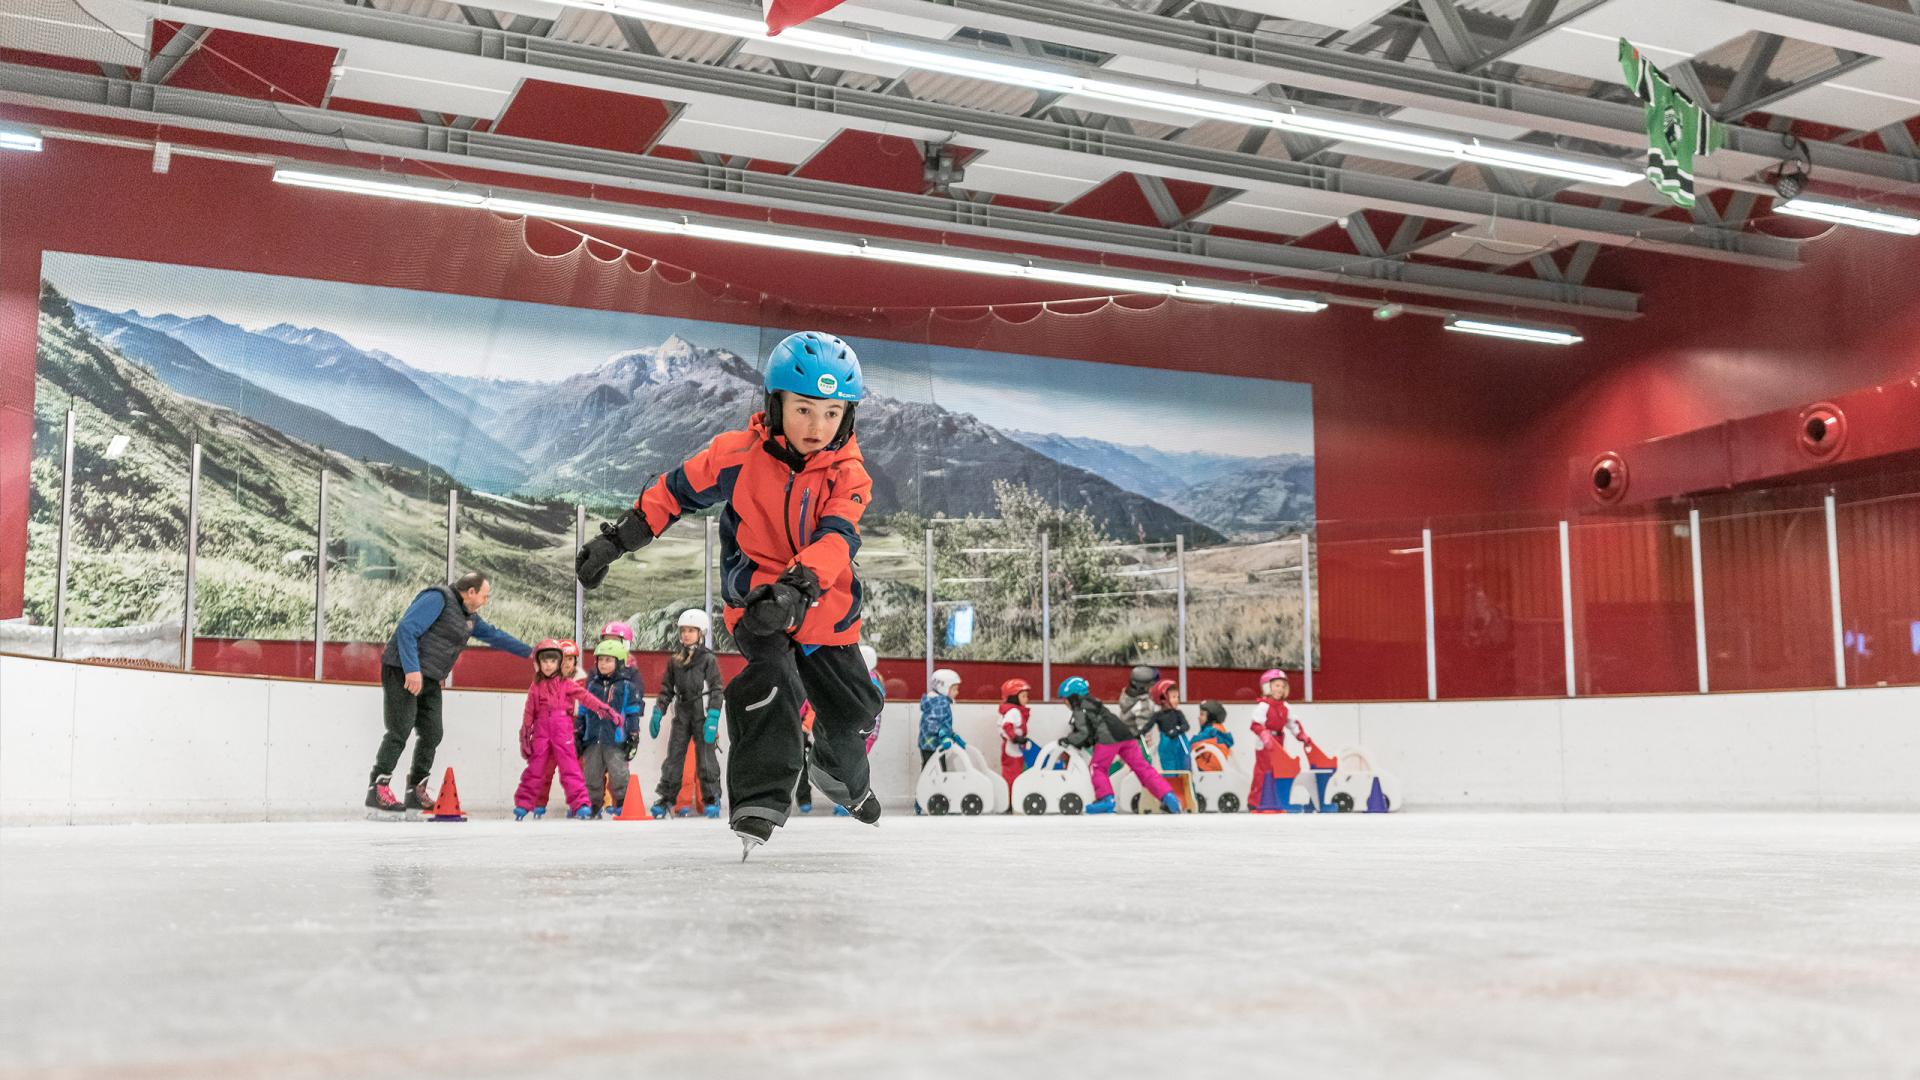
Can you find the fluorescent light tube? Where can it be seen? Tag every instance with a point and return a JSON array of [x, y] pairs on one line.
[[1539, 335], [969, 67], [1592, 173], [19, 140], [1858, 216], [772, 238], [1370, 133], [1174, 101], [552, 212], [1275, 301], [357, 186]]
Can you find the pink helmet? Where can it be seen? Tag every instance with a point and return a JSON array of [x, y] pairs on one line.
[[1271, 674], [618, 629]]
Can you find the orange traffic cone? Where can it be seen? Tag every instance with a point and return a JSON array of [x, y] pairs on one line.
[[447, 806], [634, 807]]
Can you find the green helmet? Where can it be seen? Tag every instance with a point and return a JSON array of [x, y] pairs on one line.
[[613, 647]]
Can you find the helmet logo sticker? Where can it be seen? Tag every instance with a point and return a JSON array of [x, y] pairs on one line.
[[828, 384]]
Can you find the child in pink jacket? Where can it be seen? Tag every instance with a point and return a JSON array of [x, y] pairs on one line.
[[546, 735]]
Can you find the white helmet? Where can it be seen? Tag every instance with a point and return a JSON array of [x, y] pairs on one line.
[[699, 620], [944, 681], [871, 658]]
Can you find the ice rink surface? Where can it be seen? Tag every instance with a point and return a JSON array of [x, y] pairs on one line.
[[1417, 945]]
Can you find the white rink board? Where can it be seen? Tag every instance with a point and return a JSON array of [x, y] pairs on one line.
[[90, 743]]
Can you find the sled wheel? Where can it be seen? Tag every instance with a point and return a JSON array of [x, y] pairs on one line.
[[1134, 803], [971, 805], [1343, 802], [1229, 803], [938, 805], [1034, 803], [1071, 804], [1199, 803]]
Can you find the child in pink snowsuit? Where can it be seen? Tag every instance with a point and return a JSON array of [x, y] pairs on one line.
[[546, 734], [1093, 725]]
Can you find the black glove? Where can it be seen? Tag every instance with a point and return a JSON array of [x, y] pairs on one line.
[[616, 538], [778, 608]]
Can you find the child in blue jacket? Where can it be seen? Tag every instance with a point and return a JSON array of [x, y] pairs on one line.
[[607, 746]]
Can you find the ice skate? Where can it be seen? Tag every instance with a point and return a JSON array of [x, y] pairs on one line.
[[380, 799], [806, 808], [1171, 802], [752, 831], [520, 813], [418, 798], [712, 811], [867, 809], [660, 810], [1101, 806], [539, 812], [582, 813], [841, 811]]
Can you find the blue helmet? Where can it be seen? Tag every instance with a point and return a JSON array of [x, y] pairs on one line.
[[1074, 687], [815, 365]]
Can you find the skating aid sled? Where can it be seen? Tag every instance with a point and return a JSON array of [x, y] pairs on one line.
[[956, 780], [1060, 782]]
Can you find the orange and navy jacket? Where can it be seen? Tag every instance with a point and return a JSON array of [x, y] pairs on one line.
[[781, 510]]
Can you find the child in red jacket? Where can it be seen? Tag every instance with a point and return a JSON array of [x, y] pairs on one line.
[[1014, 715], [795, 486]]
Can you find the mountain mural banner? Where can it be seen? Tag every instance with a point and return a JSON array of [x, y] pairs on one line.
[[523, 416]]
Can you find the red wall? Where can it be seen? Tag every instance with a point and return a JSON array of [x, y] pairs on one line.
[[1411, 423]]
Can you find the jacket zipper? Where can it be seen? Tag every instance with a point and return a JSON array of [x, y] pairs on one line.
[[786, 509]]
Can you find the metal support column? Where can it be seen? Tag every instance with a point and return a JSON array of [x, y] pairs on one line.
[[187, 619], [61, 563], [1306, 613], [1699, 599], [1426, 569], [1046, 617], [320, 578], [579, 590], [1180, 604], [453, 534], [929, 607], [1566, 606], [1833, 590]]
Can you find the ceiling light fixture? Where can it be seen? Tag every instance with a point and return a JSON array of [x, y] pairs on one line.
[[770, 237], [1534, 333], [1857, 216], [11, 139]]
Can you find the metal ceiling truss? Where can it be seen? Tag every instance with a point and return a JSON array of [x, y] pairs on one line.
[[274, 121], [685, 81], [1477, 96]]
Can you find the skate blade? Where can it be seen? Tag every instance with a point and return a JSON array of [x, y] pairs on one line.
[[747, 844], [392, 815]]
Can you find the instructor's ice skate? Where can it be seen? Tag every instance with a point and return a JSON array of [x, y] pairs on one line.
[[380, 798], [752, 831], [418, 798]]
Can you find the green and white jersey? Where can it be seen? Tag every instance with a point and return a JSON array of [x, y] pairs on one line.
[[1678, 131]]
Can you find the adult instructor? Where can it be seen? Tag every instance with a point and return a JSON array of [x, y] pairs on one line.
[[420, 655]]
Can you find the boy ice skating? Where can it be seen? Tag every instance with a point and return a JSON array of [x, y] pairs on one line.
[[606, 746], [693, 680], [795, 486], [546, 734]]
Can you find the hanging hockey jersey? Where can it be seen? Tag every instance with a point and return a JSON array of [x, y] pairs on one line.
[[1678, 131]]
